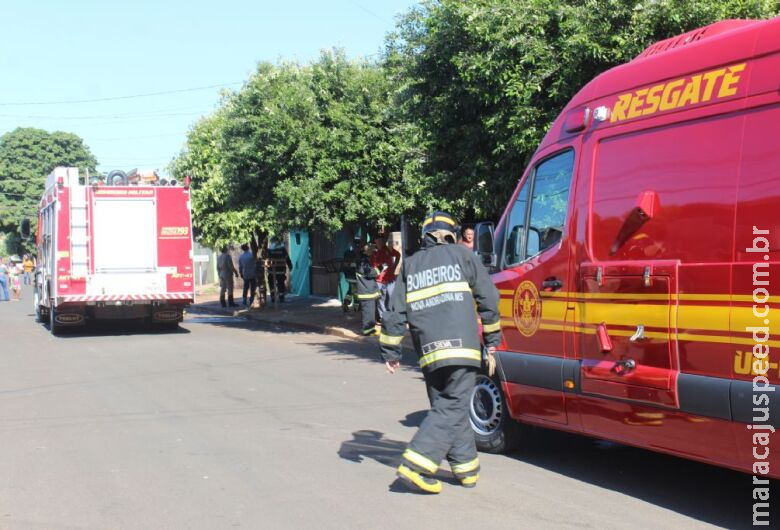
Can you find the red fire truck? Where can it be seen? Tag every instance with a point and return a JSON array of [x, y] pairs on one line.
[[634, 259], [116, 251]]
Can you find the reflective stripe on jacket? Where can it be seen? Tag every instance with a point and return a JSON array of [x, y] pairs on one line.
[[436, 295]]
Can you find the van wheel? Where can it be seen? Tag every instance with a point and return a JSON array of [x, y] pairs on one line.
[[495, 431]]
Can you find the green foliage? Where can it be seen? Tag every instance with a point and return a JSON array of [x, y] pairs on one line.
[[314, 146], [449, 119], [27, 156], [485, 79]]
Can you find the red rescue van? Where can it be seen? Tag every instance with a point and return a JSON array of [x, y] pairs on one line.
[[634, 260]]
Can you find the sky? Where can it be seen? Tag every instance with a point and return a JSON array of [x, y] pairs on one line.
[[60, 58]]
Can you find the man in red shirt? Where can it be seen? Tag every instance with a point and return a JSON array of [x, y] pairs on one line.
[[385, 259]]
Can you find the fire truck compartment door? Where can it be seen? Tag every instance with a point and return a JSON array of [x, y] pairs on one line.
[[627, 330], [124, 235]]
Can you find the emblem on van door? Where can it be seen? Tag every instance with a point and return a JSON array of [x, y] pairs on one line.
[[527, 308]]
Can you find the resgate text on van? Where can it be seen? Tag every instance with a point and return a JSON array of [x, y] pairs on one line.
[[678, 93]]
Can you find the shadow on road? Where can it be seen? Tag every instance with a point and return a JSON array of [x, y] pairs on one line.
[[336, 347], [414, 419], [115, 328], [707, 493], [374, 446]]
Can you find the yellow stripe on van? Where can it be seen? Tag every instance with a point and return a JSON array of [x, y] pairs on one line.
[[688, 297], [655, 316]]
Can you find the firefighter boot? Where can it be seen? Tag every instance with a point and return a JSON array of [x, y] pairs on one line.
[[467, 473], [417, 480]]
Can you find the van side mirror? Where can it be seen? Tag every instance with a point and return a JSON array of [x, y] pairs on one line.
[[484, 246], [24, 228]]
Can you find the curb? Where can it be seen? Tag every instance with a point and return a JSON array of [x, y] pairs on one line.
[[325, 330]]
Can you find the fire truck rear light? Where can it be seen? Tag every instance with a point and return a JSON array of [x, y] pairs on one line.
[[60, 181], [568, 384]]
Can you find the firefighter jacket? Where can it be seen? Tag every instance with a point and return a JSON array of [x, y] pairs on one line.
[[367, 287], [436, 296]]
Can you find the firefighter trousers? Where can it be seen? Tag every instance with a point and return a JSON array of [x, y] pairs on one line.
[[368, 311], [445, 432]]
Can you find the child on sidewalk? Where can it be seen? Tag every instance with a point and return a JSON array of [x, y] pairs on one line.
[[14, 281]]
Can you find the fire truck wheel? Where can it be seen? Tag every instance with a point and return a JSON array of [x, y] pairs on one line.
[[495, 431], [38, 309], [54, 328]]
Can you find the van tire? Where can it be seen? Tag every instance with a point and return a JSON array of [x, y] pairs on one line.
[[494, 430]]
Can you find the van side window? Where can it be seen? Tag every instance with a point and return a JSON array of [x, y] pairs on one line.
[[535, 229], [549, 203]]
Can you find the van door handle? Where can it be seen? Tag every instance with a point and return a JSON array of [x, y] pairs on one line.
[[552, 284]]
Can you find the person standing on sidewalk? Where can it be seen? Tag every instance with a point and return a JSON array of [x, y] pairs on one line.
[[385, 260], [15, 281], [28, 266], [367, 290], [4, 281], [247, 267], [435, 296], [226, 271]]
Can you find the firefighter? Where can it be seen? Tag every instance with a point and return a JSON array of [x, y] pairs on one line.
[[280, 263], [367, 290], [436, 296]]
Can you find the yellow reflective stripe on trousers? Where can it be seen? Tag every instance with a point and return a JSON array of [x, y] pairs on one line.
[[419, 460], [470, 480], [451, 353], [449, 287], [466, 467], [368, 296], [390, 340], [490, 328]]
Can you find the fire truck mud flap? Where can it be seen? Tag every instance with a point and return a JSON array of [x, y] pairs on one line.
[[167, 315], [64, 318]]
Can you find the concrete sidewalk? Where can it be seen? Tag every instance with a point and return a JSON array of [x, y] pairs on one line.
[[319, 314]]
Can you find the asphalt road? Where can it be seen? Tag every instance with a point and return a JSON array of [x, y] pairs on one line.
[[226, 424]]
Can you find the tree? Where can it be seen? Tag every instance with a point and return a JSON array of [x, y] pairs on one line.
[[485, 79], [27, 156], [362, 162], [304, 146]]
